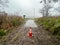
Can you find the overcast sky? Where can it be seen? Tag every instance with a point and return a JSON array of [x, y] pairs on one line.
[[29, 7]]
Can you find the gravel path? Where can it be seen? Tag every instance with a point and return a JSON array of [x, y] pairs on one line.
[[19, 37]]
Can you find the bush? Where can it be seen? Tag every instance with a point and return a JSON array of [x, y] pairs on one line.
[[2, 32], [7, 22], [56, 30], [50, 23], [16, 21]]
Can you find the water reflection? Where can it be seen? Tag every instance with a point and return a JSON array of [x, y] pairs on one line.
[[30, 23]]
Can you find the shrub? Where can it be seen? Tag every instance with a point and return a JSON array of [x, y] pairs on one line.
[[56, 30], [2, 32], [50, 23], [7, 22], [16, 21]]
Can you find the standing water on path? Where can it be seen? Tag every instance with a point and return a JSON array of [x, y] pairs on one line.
[[30, 23]]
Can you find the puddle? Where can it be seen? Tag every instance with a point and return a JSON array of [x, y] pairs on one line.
[[30, 23]]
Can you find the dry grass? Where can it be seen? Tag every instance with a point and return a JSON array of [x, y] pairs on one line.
[[51, 24], [8, 22]]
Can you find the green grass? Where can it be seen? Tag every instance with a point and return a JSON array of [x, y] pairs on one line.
[[2, 32], [8, 23], [51, 24]]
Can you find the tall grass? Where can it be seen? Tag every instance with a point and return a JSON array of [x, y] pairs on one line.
[[51, 24], [7, 22]]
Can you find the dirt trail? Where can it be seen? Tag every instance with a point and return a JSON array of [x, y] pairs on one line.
[[19, 37]]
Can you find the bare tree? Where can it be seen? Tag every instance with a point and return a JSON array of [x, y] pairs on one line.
[[55, 0], [3, 3], [42, 11], [46, 7]]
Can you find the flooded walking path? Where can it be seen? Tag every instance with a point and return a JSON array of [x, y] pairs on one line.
[[19, 36], [30, 23]]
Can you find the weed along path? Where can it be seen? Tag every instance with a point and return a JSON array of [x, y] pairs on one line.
[[20, 36]]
